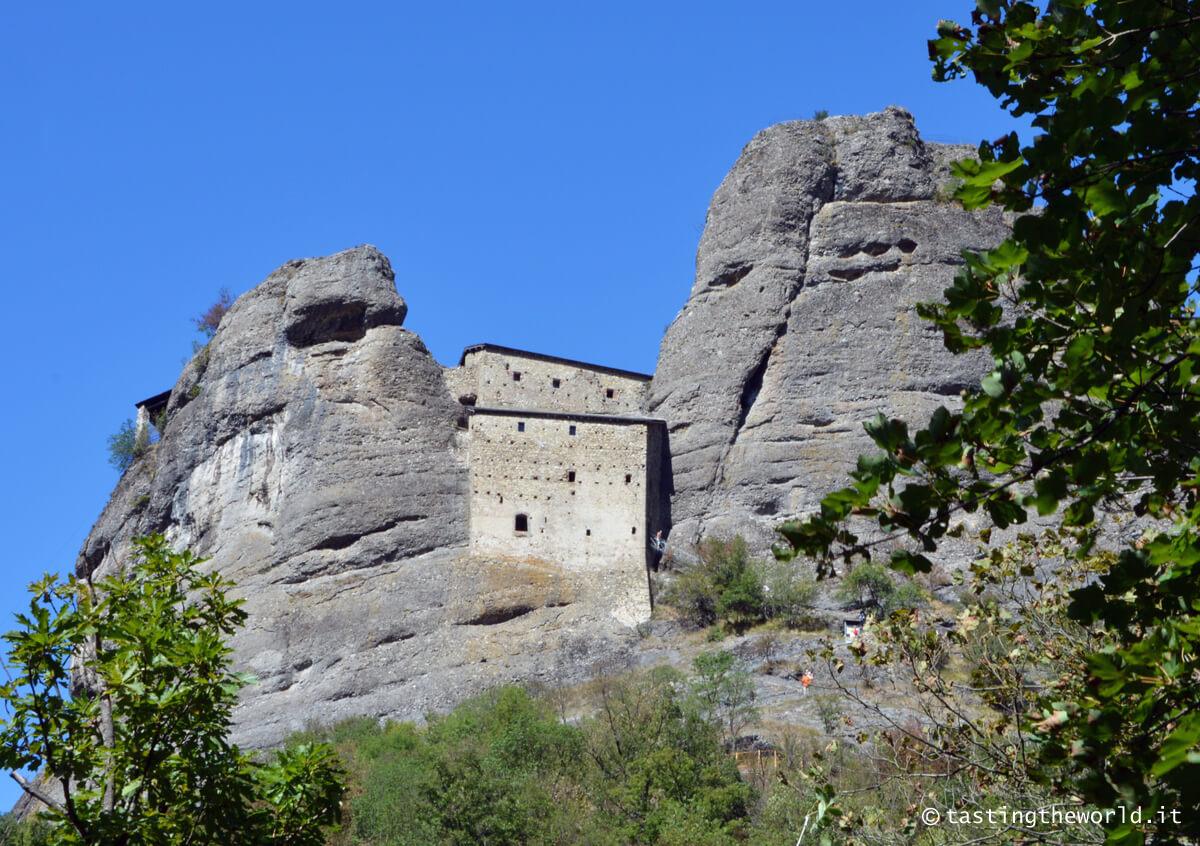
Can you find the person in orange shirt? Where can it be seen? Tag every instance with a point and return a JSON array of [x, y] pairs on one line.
[[805, 681]]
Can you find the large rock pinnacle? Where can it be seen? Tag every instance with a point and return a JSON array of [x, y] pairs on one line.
[[313, 452], [801, 322]]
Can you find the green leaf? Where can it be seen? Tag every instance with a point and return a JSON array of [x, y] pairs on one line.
[[1079, 350], [993, 385], [1182, 746], [1131, 79], [910, 563], [1104, 198]]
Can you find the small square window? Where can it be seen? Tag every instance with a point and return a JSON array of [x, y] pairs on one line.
[[520, 425], [628, 478], [571, 431], [516, 376], [589, 533], [557, 383], [609, 393], [570, 475], [633, 531]]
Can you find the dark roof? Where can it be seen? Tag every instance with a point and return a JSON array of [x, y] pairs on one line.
[[155, 402], [616, 371], [622, 419]]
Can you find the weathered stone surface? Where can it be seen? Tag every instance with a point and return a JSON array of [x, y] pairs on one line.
[[314, 453], [802, 323], [317, 454]]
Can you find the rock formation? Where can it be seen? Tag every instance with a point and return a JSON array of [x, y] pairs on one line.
[[801, 323], [315, 453]]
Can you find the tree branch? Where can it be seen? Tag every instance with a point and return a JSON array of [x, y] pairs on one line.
[[37, 793]]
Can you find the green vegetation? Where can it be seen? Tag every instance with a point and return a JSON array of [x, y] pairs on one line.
[[788, 595], [1089, 314], [721, 587], [503, 768], [125, 446], [208, 322], [646, 761], [725, 586], [16, 833], [135, 745], [723, 693], [962, 739], [872, 586]]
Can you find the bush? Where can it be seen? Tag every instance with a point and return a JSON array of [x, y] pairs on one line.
[[788, 595], [126, 446], [502, 769], [207, 323], [871, 586], [740, 601], [693, 594], [829, 711], [723, 586]]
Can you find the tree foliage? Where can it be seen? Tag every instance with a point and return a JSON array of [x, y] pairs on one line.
[[871, 586], [208, 322], [659, 766], [946, 720], [126, 445], [723, 692], [723, 586], [503, 768], [121, 696], [1089, 314]]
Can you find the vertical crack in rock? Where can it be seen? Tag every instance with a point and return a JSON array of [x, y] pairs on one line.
[[750, 266], [754, 383]]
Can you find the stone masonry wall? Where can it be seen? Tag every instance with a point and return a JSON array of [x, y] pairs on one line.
[[545, 384], [593, 522]]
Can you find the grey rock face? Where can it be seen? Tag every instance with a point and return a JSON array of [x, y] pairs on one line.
[[313, 453], [802, 324]]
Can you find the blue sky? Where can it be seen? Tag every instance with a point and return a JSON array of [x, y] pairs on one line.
[[537, 172]]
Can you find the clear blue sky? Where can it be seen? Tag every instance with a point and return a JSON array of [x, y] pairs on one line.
[[538, 174]]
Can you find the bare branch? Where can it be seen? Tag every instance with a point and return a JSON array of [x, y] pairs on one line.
[[37, 793]]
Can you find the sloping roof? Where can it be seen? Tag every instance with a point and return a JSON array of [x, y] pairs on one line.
[[156, 402], [498, 348]]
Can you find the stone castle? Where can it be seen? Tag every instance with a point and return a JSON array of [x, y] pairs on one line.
[[406, 534], [563, 467]]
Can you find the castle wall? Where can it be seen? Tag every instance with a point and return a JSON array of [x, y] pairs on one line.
[[594, 524], [512, 380]]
